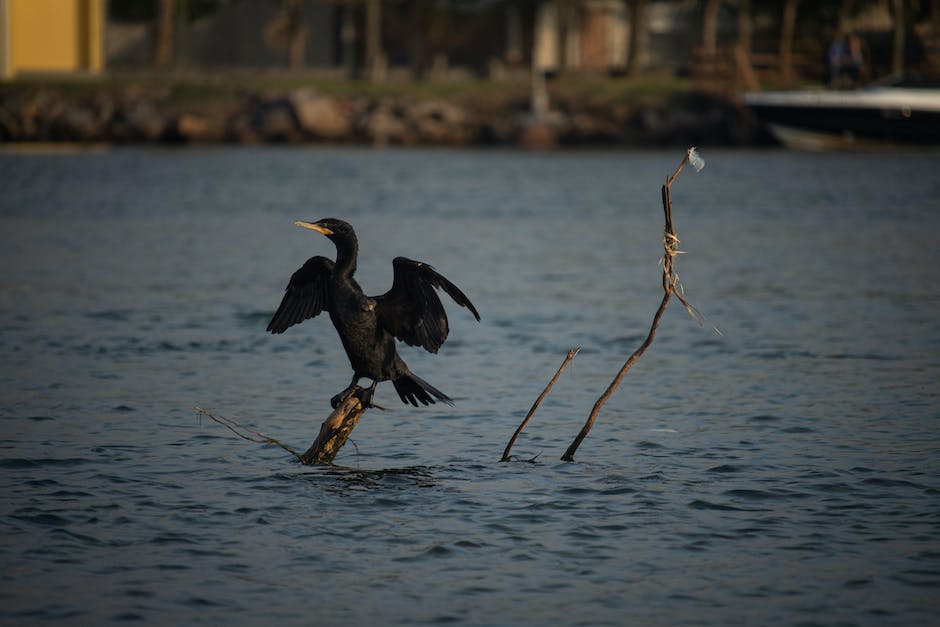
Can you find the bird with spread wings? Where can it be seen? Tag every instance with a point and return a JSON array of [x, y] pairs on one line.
[[410, 311]]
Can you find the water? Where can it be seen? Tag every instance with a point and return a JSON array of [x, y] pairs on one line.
[[785, 472]]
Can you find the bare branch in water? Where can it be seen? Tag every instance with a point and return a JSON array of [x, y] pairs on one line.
[[334, 432], [538, 402], [243, 432], [671, 286]]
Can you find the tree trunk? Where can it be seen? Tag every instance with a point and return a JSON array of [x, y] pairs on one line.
[[897, 47], [375, 60], [710, 27], [296, 35], [347, 36], [163, 34], [745, 26], [636, 59], [513, 54], [787, 31]]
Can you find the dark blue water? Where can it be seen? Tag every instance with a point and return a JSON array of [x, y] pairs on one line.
[[785, 472]]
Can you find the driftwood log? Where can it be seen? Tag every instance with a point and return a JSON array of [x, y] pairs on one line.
[[334, 431]]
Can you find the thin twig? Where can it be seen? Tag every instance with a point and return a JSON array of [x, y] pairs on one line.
[[235, 428], [538, 401]]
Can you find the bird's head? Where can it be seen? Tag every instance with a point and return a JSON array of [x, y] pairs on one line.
[[334, 229]]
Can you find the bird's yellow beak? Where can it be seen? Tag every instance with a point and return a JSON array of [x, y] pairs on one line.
[[313, 226]]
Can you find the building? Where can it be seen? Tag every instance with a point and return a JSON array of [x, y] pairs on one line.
[[43, 36]]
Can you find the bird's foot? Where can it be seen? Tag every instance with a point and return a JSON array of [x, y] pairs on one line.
[[365, 397], [337, 400]]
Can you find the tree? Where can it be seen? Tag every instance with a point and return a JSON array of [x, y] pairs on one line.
[[787, 32], [710, 27], [636, 57], [375, 59], [897, 42], [288, 32], [745, 25], [163, 34]]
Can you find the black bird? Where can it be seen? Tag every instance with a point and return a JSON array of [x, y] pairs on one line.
[[411, 311]]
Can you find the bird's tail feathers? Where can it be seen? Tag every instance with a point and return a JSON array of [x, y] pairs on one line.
[[413, 389]]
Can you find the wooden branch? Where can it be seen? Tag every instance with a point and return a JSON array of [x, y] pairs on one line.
[[670, 286], [538, 402], [569, 454], [246, 433], [334, 431], [333, 434]]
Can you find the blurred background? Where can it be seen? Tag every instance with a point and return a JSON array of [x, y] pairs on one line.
[[153, 157], [617, 71]]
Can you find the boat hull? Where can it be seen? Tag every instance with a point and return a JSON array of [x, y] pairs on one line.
[[827, 120]]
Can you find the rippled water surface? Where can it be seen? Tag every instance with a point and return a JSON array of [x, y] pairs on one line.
[[783, 472]]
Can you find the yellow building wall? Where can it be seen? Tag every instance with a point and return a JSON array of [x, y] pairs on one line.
[[52, 35]]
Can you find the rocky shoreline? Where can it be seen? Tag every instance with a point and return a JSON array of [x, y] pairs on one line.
[[305, 115]]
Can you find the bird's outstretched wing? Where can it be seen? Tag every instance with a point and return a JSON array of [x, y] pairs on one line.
[[412, 311], [306, 296]]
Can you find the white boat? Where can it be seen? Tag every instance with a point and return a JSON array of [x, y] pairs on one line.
[[892, 112]]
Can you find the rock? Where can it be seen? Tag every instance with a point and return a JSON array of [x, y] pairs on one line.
[[499, 130], [538, 135], [196, 128], [77, 123], [440, 122], [38, 115], [10, 129], [319, 116], [143, 114], [588, 129], [240, 128], [384, 124], [138, 120], [275, 122]]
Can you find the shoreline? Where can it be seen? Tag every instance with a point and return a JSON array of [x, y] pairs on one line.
[[172, 115]]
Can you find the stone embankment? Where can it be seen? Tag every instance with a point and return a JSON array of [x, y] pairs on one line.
[[308, 116]]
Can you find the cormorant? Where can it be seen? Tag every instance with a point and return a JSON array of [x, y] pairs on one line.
[[411, 311]]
